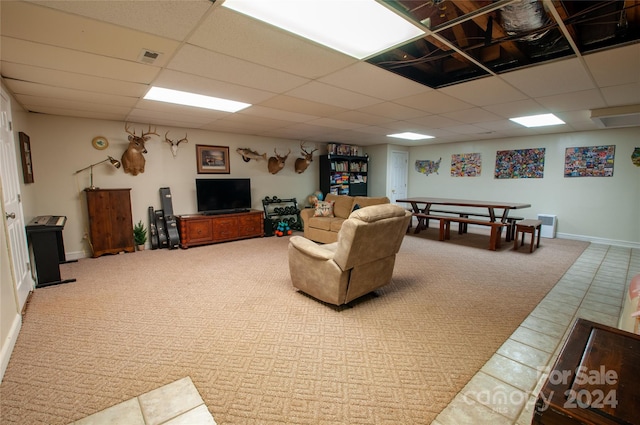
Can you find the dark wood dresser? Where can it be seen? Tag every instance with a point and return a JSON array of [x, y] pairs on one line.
[[596, 379], [110, 221], [198, 229]]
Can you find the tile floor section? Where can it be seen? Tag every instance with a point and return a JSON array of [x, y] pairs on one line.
[[502, 392], [177, 403]]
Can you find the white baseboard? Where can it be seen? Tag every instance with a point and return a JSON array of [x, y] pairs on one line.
[[9, 343], [614, 242], [76, 255], [592, 239]]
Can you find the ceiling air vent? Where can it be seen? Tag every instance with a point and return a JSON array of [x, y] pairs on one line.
[[148, 56], [619, 116]]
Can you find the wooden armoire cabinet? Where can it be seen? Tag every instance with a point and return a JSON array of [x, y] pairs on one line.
[[110, 221]]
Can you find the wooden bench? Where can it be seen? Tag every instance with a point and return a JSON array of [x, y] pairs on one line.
[[423, 223], [496, 229], [527, 226], [462, 228], [445, 226]]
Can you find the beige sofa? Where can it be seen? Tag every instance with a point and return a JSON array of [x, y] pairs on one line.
[[361, 261], [325, 229]]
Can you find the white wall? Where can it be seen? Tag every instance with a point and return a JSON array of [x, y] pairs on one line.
[[597, 209], [605, 209], [62, 145]]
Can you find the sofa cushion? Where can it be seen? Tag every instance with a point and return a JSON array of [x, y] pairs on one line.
[[365, 201], [324, 209], [331, 224], [336, 224], [322, 223], [342, 206]]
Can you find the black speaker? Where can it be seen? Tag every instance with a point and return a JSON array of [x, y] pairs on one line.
[[268, 227]]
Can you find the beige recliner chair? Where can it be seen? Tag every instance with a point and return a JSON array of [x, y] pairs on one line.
[[359, 262]]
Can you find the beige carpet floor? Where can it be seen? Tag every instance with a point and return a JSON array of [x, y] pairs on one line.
[[261, 353]]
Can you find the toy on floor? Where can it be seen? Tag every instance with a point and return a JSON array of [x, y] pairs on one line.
[[283, 229]]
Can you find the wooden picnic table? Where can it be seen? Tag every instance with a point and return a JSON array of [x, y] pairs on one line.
[[422, 211]]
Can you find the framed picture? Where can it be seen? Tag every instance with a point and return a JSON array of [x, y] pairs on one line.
[[212, 159], [25, 153]]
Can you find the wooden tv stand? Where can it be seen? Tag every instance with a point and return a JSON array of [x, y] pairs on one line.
[[200, 229]]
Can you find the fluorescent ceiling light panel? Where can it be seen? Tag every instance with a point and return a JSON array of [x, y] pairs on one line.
[[538, 120], [410, 136], [358, 28], [193, 99]]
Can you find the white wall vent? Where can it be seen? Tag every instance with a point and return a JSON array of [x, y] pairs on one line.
[[617, 116], [549, 224], [148, 56]]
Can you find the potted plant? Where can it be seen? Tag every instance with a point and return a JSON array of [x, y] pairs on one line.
[[139, 235]]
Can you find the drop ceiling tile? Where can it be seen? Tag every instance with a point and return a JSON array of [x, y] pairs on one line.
[[484, 91], [626, 71], [562, 128], [33, 103], [323, 93], [517, 109], [361, 118], [163, 117], [501, 125], [575, 116], [174, 19], [586, 99], [79, 113], [39, 90], [40, 55], [240, 36], [466, 129], [198, 61], [434, 102], [278, 114], [627, 94], [564, 76], [251, 120], [308, 129], [393, 110], [72, 80], [178, 80], [373, 81], [440, 133], [48, 26], [338, 124], [471, 116], [434, 121], [292, 133], [294, 104]]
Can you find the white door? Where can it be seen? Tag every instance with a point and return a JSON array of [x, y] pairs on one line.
[[398, 175], [13, 214]]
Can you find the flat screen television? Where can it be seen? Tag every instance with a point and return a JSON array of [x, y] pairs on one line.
[[220, 196]]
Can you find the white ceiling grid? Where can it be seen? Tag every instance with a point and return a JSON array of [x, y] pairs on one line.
[[80, 58]]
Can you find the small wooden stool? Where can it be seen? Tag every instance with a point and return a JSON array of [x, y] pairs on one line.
[[527, 226]]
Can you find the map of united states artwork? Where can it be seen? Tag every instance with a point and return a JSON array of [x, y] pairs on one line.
[[427, 166]]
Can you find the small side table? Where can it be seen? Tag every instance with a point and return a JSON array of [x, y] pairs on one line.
[[527, 226]]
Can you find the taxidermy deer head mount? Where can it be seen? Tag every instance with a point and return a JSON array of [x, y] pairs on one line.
[[174, 144], [132, 159], [276, 163], [301, 164]]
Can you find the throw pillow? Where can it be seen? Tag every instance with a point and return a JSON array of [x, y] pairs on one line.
[[324, 209]]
